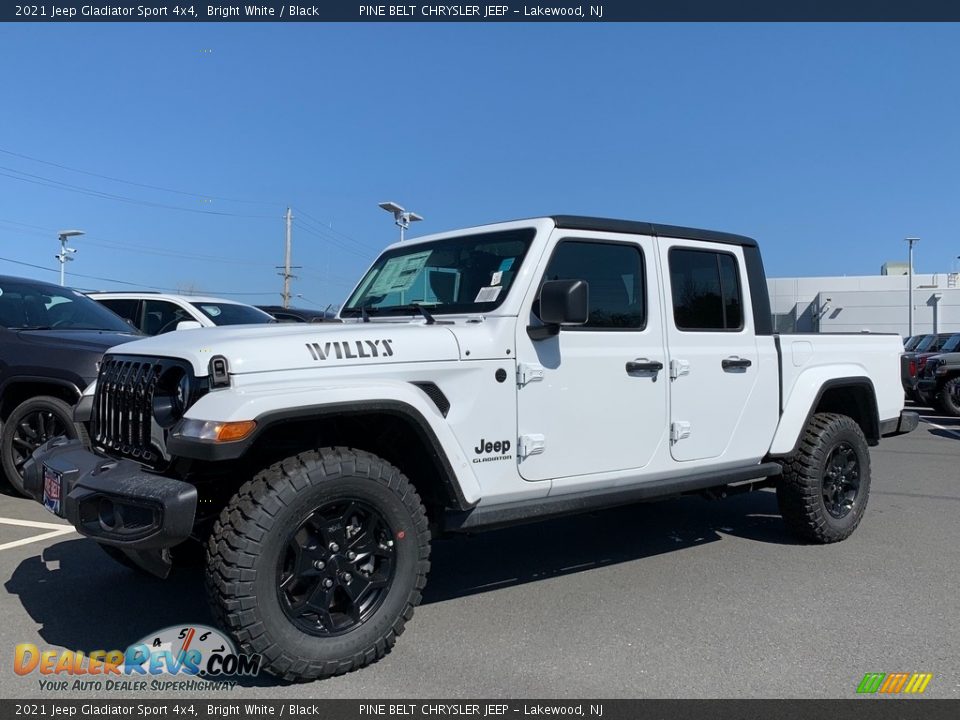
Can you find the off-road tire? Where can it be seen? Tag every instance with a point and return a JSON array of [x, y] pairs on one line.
[[248, 542], [44, 405], [946, 399], [800, 488]]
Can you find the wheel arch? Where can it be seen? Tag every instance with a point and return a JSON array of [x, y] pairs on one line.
[[854, 396], [17, 390]]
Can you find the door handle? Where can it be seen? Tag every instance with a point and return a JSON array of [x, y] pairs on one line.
[[644, 365], [734, 363]]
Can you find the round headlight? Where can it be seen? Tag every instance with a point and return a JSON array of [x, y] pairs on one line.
[[171, 397]]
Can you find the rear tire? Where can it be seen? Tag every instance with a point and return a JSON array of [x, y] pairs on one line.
[[318, 562], [29, 426], [947, 399], [825, 485]]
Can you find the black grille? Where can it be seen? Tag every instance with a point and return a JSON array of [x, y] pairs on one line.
[[123, 417]]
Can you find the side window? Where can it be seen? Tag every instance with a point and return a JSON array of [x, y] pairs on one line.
[[160, 316], [615, 274], [706, 290], [127, 309]]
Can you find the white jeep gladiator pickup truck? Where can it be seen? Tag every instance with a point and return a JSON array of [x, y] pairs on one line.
[[500, 374]]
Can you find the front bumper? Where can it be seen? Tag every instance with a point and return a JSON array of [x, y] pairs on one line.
[[115, 502], [907, 422]]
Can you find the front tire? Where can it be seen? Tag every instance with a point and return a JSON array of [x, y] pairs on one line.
[[318, 562], [29, 426], [825, 484]]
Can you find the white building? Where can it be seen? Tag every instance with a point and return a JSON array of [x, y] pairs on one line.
[[875, 303]]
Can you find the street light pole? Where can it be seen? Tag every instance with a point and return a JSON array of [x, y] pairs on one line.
[[911, 241], [66, 254], [401, 218]]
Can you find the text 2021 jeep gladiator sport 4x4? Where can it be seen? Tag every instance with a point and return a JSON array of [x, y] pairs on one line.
[[488, 376]]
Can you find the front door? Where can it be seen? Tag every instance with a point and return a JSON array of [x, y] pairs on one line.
[[593, 399]]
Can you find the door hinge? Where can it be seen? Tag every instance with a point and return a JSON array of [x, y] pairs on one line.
[[679, 430], [530, 445], [527, 372], [678, 368]]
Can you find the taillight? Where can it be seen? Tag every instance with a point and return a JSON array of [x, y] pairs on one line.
[[912, 368]]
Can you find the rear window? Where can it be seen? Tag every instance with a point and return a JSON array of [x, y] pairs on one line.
[[233, 314], [706, 290]]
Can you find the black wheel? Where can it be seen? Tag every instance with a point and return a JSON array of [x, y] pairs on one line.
[[318, 562], [948, 399], [31, 424], [825, 484]]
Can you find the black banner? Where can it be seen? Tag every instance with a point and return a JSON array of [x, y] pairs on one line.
[[221, 709], [186, 11]]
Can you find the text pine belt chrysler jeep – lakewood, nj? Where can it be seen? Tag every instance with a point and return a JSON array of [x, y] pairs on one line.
[[478, 378]]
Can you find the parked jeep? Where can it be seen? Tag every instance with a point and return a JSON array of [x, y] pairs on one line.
[[913, 363], [51, 342], [496, 375], [940, 380]]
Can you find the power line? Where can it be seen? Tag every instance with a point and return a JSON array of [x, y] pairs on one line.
[[137, 184], [131, 247], [334, 241], [58, 185], [126, 282], [326, 228]]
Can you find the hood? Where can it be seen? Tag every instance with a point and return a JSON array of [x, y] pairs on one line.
[[64, 339], [283, 346]]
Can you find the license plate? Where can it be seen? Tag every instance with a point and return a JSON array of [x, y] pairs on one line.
[[52, 485]]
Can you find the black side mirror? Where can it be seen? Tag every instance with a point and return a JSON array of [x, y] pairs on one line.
[[562, 302]]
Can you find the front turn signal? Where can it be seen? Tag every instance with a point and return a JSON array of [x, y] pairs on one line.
[[231, 431]]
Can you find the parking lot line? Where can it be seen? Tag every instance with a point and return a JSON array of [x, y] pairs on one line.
[[33, 524], [954, 433], [53, 530], [36, 538]]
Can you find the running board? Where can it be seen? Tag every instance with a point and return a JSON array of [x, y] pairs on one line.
[[525, 511]]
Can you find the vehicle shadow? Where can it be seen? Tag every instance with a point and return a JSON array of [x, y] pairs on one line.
[[83, 600], [463, 565]]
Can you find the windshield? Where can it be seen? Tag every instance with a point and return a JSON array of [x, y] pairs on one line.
[[469, 274], [952, 344], [912, 342], [28, 306], [925, 344], [232, 313]]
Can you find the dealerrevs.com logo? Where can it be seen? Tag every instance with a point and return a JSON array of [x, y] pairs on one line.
[[180, 657]]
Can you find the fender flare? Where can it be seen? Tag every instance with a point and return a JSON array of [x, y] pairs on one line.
[[804, 398], [463, 486]]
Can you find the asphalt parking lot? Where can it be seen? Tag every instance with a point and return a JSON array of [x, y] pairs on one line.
[[688, 598]]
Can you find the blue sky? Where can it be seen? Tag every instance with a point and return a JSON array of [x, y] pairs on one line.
[[828, 143]]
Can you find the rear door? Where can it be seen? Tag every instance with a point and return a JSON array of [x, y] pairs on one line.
[[712, 350]]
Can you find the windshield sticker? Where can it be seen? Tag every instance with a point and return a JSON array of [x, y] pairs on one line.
[[506, 264], [399, 273], [488, 294], [211, 310], [496, 277]]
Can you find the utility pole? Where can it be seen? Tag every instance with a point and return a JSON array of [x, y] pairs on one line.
[[287, 267], [911, 241]]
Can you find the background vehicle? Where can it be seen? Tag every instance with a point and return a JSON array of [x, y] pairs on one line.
[[940, 379], [489, 376], [158, 313], [299, 315], [911, 342], [912, 364], [51, 342]]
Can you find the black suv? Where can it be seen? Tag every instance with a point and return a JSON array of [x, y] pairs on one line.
[[51, 342]]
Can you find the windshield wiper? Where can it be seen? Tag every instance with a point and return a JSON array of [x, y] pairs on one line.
[[367, 311]]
